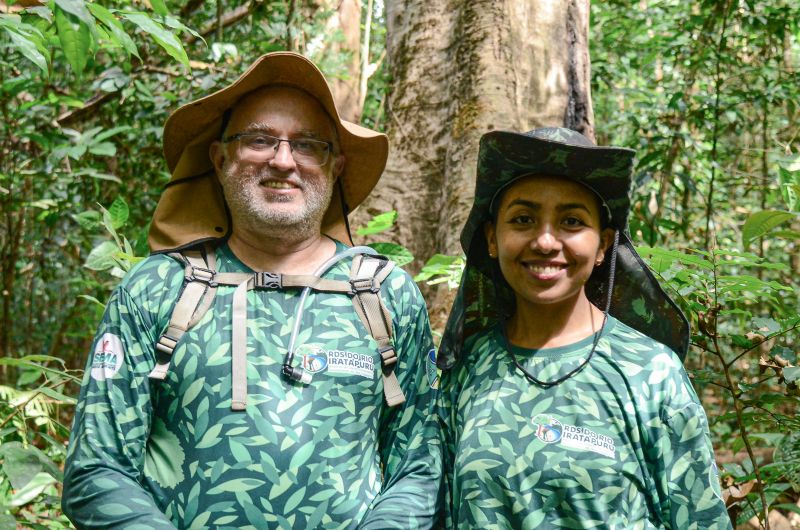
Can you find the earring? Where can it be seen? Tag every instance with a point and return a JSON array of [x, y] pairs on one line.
[[598, 263], [491, 254]]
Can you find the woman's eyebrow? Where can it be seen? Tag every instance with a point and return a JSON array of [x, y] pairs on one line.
[[538, 206]]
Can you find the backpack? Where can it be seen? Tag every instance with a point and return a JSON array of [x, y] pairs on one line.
[[201, 280]]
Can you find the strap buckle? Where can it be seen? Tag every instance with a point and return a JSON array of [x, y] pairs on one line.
[[363, 285], [267, 280], [388, 355], [203, 275]]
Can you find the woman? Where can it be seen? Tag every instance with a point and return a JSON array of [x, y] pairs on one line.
[[566, 404]]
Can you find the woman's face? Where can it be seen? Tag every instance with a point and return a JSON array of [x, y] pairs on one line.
[[547, 239]]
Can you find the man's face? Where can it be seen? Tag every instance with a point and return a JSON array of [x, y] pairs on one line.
[[272, 191]]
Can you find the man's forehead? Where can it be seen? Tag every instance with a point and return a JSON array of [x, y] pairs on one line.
[[248, 111]]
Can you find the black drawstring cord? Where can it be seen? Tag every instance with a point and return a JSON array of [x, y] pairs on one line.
[[548, 384]]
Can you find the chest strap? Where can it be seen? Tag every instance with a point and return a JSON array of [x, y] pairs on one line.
[[202, 280]]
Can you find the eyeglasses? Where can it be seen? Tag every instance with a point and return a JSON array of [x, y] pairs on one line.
[[258, 147]]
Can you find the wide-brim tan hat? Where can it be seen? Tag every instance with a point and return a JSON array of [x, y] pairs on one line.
[[192, 207]]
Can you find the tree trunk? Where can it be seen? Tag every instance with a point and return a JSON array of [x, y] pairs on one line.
[[461, 68], [345, 85]]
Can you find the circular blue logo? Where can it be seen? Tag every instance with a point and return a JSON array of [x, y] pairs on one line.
[[549, 429], [315, 362]]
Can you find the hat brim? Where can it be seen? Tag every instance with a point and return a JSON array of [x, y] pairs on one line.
[[192, 128]]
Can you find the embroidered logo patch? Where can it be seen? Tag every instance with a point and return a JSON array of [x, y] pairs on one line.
[[550, 430], [338, 361], [107, 358], [433, 371]]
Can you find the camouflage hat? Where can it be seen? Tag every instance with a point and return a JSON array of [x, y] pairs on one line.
[[484, 297]]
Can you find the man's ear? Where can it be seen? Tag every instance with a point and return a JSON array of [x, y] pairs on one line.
[[216, 151], [338, 166]]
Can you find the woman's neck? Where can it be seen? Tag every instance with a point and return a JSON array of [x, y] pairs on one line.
[[552, 325]]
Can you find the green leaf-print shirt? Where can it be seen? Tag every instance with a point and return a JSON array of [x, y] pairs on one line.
[[153, 455], [623, 444]]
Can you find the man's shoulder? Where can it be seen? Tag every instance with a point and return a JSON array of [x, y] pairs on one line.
[[154, 273], [400, 288]]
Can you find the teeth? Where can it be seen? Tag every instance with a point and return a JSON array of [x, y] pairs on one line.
[[540, 269], [278, 185]]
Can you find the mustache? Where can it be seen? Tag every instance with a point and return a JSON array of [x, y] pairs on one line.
[[263, 174]]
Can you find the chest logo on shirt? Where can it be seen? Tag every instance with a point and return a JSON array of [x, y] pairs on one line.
[[107, 358], [550, 430], [339, 361]]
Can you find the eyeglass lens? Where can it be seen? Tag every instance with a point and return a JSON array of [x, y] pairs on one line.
[[262, 147]]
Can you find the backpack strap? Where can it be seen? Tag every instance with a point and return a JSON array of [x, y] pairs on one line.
[[200, 285], [198, 292], [366, 275], [263, 280]]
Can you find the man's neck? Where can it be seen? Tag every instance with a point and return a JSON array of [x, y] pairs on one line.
[[285, 254]]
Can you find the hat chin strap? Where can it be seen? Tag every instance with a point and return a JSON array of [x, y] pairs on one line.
[[547, 384]]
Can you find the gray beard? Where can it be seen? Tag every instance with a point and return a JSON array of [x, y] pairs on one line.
[[249, 209]]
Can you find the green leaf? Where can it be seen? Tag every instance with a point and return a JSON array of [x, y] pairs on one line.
[[791, 373], [762, 222], [28, 40], [75, 40], [103, 149], [20, 465], [167, 40], [770, 324], [56, 395], [159, 7], [379, 223], [88, 220], [101, 257], [174, 23], [7, 522], [32, 489], [115, 27], [77, 8], [397, 253], [119, 212]]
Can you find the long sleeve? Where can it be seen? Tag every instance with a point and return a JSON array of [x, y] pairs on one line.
[[106, 458], [688, 481], [409, 443], [446, 409]]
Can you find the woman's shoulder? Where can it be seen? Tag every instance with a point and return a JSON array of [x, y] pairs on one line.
[[633, 345], [651, 369]]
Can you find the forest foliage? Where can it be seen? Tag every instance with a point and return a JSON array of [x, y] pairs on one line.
[[706, 92]]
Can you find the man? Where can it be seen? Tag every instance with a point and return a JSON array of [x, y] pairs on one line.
[[211, 424]]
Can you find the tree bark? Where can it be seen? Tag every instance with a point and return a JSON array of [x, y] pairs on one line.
[[345, 86], [459, 69]]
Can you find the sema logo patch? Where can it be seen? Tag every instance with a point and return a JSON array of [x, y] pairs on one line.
[[317, 360], [550, 431], [107, 358]]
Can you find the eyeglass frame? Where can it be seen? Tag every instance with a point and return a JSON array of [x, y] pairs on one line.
[[238, 136]]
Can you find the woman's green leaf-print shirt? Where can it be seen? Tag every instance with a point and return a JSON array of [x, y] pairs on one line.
[[623, 444], [172, 454]]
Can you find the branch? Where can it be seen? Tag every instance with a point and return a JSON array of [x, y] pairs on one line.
[[228, 19], [190, 7], [89, 108]]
